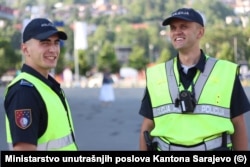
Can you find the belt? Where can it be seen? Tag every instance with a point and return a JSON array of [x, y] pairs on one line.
[[206, 145]]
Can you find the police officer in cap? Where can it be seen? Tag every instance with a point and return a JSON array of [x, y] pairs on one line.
[[193, 102], [38, 116]]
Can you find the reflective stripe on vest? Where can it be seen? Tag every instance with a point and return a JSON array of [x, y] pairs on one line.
[[199, 109], [53, 144], [207, 145]]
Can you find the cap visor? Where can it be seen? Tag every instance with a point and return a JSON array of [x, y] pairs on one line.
[[62, 35]]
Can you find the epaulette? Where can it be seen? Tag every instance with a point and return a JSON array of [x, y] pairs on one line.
[[26, 83]]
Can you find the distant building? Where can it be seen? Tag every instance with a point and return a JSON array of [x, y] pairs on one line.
[[122, 53], [239, 6], [6, 13], [101, 2], [104, 7]]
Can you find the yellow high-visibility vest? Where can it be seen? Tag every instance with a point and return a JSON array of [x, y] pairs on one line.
[[58, 135], [211, 117]]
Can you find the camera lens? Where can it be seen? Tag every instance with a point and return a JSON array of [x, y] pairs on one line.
[[183, 94]]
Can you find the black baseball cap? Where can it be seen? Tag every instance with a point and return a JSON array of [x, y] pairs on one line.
[[41, 29], [187, 14]]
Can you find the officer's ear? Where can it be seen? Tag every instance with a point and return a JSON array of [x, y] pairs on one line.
[[201, 32], [24, 48]]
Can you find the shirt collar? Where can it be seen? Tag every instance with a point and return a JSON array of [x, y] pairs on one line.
[[50, 81], [200, 65]]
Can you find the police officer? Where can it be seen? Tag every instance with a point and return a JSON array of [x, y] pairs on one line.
[[38, 116], [193, 101]]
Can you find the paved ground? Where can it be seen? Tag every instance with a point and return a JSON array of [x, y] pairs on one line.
[[114, 127]]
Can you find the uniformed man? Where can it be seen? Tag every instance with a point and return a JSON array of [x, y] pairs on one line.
[[38, 116], [193, 101]]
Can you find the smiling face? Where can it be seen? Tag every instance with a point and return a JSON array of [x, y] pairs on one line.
[[185, 35], [42, 55]]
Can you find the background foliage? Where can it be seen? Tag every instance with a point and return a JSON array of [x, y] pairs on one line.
[[148, 44]]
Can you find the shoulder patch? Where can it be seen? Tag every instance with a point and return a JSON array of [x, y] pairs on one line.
[[23, 118], [26, 83]]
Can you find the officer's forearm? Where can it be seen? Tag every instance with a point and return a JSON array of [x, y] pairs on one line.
[[239, 138], [24, 147], [147, 125], [143, 145]]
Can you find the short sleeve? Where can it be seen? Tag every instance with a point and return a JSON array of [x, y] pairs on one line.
[[23, 109], [146, 107], [239, 101]]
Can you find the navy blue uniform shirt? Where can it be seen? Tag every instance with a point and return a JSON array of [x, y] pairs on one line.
[[239, 101], [23, 96]]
